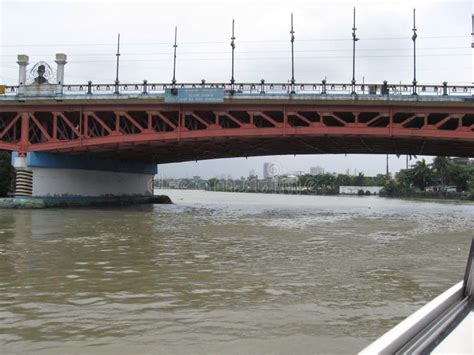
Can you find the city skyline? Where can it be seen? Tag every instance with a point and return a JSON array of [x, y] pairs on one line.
[[238, 167]]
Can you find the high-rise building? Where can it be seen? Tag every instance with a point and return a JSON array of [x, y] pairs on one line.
[[266, 170], [316, 170], [270, 170]]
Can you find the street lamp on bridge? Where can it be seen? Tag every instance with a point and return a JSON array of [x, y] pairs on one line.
[[117, 66], [175, 45], [232, 44], [354, 40], [292, 39], [414, 52]]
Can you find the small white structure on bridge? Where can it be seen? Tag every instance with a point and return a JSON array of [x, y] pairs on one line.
[[354, 190], [71, 177]]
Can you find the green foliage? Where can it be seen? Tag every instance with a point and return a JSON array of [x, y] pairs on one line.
[[328, 183], [393, 188], [442, 172], [6, 174], [460, 176], [440, 167], [360, 180]]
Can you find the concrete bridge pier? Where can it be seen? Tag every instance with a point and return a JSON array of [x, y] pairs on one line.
[[24, 177], [61, 179]]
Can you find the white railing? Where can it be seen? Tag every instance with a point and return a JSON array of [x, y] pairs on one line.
[[262, 88]]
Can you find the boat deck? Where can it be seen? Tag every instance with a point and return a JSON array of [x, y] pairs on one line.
[[461, 339]]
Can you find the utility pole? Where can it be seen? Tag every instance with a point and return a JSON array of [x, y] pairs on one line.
[[117, 66], [292, 38], [354, 40], [414, 52], [232, 44], [387, 173], [175, 45]]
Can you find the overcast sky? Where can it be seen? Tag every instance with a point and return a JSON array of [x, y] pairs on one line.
[[86, 31]]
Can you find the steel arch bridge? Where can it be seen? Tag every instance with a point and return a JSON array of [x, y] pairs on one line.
[[141, 126]]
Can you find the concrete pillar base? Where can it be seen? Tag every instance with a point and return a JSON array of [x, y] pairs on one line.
[[24, 182], [46, 175]]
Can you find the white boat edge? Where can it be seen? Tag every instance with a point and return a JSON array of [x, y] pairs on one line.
[[403, 332]]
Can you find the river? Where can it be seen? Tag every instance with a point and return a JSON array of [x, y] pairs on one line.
[[224, 273]]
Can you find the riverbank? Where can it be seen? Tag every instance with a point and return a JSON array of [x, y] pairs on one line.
[[415, 195], [429, 195], [72, 201]]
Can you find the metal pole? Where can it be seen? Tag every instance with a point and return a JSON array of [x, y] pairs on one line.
[[232, 44], [387, 172], [117, 68], [292, 32], [414, 52], [174, 58], [354, 40]]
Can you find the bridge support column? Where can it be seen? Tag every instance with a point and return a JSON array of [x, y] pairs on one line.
[[23, 178], [73, 178]]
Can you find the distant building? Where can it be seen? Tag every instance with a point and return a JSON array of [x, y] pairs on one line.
[[252, 173], [461, 161], [316, 170], [270, 170], [288, 179], [266, 168]]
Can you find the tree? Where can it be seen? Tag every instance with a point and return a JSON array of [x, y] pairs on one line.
[[7, 173], [344, 180], [460, 176], [213, 184], [440, 168], [421, 175], [404, 177], [360, 179]]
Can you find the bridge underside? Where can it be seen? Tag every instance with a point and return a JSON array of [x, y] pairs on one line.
[[165, 133], [164, 152]]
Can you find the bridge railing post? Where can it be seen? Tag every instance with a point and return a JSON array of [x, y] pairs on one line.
[[323, 88], [445, 88], [385, 88], [89, 87], [262, 86]]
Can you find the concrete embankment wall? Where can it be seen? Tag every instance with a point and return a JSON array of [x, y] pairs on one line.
[[75, 182]]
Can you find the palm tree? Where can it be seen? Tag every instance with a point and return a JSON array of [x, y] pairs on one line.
[[440, 167], [421, 175]]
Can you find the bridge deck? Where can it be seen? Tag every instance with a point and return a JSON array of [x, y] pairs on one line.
[[146, 127]]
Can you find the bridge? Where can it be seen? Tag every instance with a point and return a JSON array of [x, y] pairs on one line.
[[132, 127], [141, 124]]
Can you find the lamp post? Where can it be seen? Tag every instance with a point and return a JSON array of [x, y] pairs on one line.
[[292, 39], [232, 44], [117, 66], [414, 53], [354, 40], [175, 45]]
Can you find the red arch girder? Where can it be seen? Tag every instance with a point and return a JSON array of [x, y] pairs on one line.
[[122, 130]]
